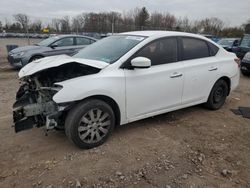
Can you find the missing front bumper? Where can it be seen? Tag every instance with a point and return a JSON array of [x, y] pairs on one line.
[[27, 114]]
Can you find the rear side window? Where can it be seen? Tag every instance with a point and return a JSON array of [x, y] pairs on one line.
[[194, 48], [213, 49], [161, 51], [82, 41]]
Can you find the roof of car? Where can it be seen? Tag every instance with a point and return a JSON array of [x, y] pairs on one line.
[[161, 33], [72, 35]]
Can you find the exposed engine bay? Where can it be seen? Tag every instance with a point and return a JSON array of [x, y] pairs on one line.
[[34, 106]]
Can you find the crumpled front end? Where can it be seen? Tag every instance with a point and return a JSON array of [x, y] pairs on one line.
[[34, 106]]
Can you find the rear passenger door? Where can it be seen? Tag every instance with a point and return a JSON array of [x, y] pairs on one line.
[[200, 68]]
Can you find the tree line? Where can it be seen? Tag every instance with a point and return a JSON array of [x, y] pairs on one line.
[[136, 19]]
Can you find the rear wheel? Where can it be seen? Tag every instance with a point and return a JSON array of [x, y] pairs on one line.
[[217, 95], [245, 73], [90, 123]]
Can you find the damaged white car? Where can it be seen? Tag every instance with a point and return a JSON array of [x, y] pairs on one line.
[[120, 79]]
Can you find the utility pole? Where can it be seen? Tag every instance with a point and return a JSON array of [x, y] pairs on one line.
[[27, 32], [113, 20]]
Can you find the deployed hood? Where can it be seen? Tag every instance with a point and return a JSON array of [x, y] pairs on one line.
[[55, 61]]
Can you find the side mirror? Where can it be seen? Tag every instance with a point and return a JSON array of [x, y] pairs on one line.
[[53, 46], [141, 62]]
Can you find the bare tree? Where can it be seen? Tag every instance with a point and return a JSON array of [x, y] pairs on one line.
[[24, 20], [246, 27], [1, 26], [65, 24], [36, 26], [78, 23], [212, 25], [56, 24]]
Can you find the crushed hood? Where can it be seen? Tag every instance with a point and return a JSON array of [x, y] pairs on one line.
[[55, 61]]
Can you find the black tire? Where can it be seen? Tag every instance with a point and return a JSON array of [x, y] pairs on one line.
[[245, 73], [217, 95], [35, 58], [79, 117]]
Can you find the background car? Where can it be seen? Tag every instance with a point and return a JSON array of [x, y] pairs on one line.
[[61, 44], [121, 79], [211, 37], [244, 46], [229, 44], [245, 64]]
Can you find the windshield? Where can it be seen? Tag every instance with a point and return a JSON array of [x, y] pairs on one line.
[[109, 49], [48, 41], [245, 41], [226, 42]]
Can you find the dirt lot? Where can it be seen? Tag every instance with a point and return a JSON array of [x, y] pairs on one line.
[[193, 147]]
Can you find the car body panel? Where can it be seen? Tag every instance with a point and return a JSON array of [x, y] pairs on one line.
[[105, 83], [43, 51], [244, 46], [153, 89], [229, 44], [141, 93], [55, 61], [245, 64]]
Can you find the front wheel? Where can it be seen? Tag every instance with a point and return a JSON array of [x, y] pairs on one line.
[[34, 58], [90, 123], [217, 95]]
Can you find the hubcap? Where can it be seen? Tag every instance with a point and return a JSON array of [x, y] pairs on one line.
[[218, 94], [94, 125]]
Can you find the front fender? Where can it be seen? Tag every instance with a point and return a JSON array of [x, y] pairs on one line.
[[77, 89]]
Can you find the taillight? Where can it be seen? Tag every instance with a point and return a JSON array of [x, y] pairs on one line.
[[237, 60]]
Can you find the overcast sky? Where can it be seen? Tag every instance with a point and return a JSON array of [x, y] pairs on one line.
[[232, 12]]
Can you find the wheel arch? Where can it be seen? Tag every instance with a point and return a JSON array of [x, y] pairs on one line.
[[35, 55], [228, 81], [113, 104]]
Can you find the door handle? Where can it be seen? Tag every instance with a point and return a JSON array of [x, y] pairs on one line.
[[213, 69], [175, 75]]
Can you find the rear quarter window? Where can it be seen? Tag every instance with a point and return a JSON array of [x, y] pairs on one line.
[[212, 49]]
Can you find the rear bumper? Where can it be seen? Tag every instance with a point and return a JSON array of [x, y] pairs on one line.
[[235, 80]]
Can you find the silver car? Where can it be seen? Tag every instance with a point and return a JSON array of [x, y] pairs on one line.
[[61, 44]]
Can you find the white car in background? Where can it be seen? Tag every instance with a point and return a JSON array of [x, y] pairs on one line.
[[121, 79]]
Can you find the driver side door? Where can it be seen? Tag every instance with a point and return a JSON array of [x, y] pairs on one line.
[[151, 91], [62, 46]]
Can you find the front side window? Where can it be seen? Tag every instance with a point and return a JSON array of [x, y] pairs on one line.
[[194, 48], [48, 41], [160, 52], [110, 49], [82, 41], [65, 42]]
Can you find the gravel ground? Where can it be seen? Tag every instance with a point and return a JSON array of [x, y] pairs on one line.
[[193, 147]]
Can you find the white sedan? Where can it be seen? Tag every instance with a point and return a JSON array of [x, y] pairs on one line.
[[121, 79]]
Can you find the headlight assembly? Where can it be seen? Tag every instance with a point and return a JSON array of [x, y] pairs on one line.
[[18, 55], [247, 57]]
